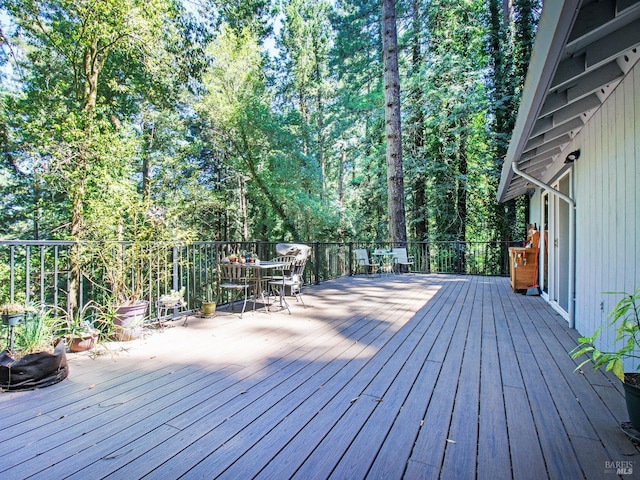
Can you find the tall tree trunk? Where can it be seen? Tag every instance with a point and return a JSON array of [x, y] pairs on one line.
[[92, 64], [461, 188], [320, 126], [416, 130], [317, 80], [303, 115], [75, 257], [395, 175], [243, 209], [462, 201], [509, 57], [341, 164], [149, 133]]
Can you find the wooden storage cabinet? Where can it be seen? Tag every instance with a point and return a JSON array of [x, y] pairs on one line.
[[522, 263]]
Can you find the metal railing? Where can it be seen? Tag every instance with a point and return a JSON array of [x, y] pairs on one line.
[[40, 271]]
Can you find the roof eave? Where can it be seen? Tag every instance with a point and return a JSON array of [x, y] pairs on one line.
[[554, 28]]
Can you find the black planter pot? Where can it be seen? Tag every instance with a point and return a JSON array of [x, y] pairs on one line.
[[35, 370], [631, 386], [128, 321], [12, 319]]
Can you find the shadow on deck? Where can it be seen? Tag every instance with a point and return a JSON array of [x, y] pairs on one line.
[[392, 377]]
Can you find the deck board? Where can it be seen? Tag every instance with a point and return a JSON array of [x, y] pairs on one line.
[[493, 436], [462, 439], [432, 438], [411, 376]]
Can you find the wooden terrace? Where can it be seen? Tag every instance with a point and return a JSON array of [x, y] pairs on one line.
[[412, 376]]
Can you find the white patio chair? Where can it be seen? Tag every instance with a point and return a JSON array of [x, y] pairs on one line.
[[363, 263], [401, 260]]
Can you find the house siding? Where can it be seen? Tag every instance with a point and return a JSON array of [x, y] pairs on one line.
[[606, 179]]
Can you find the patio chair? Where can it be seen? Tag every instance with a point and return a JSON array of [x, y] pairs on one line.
[[233, 278], [285, 271], [293, 281], [363, 263], [401, 260]]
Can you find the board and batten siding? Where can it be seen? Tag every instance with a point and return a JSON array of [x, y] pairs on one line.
[[606, 181]]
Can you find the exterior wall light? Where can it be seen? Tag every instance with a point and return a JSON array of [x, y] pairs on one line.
[[572, 157]]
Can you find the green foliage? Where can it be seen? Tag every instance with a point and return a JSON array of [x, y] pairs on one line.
[[449, 156], [357, 122], [181, 126], [252, 15], [509, 47], [36, 333], [210, 293], [74, 323], [625, 316]]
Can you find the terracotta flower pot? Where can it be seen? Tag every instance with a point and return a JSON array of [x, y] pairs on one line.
[[82, 344]]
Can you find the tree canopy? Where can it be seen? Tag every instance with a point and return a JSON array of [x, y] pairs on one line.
[[257, 120]]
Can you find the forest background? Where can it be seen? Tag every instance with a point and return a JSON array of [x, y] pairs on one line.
[[258, 119]]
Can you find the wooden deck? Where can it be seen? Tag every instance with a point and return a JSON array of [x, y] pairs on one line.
[[380, 377]]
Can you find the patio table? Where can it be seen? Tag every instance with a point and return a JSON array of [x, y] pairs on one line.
[[385, 260], [258, 267]]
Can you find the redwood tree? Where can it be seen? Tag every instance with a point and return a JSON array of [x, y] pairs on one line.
[[395, 175]]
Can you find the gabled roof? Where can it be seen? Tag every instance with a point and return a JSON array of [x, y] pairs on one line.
[[582, 51]]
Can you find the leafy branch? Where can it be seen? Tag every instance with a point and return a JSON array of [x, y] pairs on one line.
[[626, 312]]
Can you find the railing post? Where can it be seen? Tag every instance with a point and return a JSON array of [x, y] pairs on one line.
[[427, 253], [55, 275], [27, 274], [42, 274], [349, 257], [316, 254], [80, 293], [12, 280], [175, 268]]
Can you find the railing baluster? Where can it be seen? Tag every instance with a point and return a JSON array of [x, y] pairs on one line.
[[42, 274], [55, 275], [12, 270], [27, 273]]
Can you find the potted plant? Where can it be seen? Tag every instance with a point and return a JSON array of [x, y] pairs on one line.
[[173, 300], [128, 320], [77, 327], [625, 316], [35, 356], [209, 300], [125, 267], [129, 245]]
